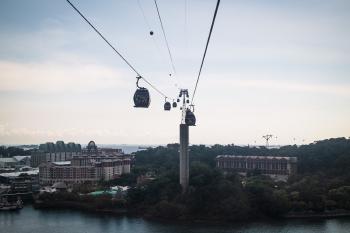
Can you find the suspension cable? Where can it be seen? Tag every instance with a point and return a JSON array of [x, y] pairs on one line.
[[143, 14], [115, 50], [206, 47], [185, 28], [165, 38], [150, 30], [147, 23]]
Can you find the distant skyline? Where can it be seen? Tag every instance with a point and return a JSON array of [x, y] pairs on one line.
[[273, 67]]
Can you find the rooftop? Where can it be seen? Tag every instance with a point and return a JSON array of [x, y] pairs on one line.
[[15, 174], [256, 157], [8, 160], [62, 163], [20, 157]]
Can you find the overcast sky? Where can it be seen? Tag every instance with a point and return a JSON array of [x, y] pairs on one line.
[[279, 67]]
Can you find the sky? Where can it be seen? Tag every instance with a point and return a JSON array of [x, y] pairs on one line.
[[272, 67]]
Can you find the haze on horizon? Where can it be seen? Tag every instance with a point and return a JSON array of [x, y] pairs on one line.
[[279, 67]]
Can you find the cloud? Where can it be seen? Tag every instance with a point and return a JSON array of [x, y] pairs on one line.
[[343, 90], [273, 81], [16, 135], [7, 133], [260, 54], [57, 76]]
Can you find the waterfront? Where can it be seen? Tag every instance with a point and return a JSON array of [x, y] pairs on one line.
[[42, 221]]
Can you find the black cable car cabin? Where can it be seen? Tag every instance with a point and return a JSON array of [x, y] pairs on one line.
[[142, 98], [174, 104], [190, 118], [167, 106]]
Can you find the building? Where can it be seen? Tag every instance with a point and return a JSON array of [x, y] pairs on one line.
[[10, 176], [15, 162], [50, 152], [22, 181], [279, 168], [22, 161], [92, 149], [71, 164], [8, 162], [112, 168], [83, 169], [53, 172]]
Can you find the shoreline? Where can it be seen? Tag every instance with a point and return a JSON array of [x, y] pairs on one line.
[[85, 207], [323, 215]]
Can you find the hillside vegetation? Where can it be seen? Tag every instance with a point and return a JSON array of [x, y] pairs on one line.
[[322, 184]]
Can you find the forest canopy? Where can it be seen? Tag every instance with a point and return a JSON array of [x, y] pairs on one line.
[[322, 183]]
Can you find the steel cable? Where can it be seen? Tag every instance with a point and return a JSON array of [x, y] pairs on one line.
[[115, 50], [206, 48]]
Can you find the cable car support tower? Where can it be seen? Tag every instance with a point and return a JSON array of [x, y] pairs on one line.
[[184, 138], [142, 96]]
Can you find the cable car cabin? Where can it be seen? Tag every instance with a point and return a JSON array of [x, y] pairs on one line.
[[174, 104], [167, 106], [190, 118], [142, 98]]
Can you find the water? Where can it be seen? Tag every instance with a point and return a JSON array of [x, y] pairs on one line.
[[128, 149], [29, 220]]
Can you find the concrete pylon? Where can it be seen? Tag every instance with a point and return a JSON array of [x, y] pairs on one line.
[[184, 157]]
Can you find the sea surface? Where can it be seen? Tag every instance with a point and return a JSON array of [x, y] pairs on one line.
[[127, 148], [29, 220]]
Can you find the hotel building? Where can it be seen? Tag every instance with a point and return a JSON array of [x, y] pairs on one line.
[[88, 167], [279, 168], [51, 152]]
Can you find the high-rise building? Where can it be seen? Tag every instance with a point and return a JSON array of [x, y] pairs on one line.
[[50, 152]]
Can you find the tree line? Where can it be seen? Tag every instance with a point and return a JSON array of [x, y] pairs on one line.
[[322, 183]]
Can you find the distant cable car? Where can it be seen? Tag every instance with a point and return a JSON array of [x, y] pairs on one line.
[[178, 100], [167, 105], [142, 98], [174, 104], [151, 33], [190, 118]]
